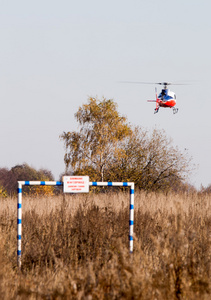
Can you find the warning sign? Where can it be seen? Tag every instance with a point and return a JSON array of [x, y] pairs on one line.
[[75, 184]]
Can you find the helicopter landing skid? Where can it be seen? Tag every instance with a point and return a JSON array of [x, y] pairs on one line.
[[175, 110]]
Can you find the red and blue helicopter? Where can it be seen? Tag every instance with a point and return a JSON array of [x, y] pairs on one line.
[[166, 98]]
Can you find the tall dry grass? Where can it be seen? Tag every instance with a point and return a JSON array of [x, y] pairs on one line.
[[76, 247]]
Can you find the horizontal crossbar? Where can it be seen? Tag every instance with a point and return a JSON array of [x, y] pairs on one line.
[[60, 183]]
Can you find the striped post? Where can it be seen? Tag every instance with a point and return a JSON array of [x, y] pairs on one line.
[[59, 183], [131, 222], [19, 223]]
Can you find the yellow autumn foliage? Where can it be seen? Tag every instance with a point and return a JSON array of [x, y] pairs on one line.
[[3, 192]]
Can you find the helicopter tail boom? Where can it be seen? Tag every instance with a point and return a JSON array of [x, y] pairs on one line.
[[157, 102]]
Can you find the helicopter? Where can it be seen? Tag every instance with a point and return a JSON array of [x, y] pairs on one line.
[[166, 98]]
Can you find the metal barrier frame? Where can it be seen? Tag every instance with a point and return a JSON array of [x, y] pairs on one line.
[[59, 183]]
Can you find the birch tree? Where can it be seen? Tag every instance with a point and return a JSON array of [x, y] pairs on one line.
[[95, 145]]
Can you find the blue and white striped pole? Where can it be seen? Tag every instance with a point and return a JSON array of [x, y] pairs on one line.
[[19, 223], [131, 222], [58, 183]]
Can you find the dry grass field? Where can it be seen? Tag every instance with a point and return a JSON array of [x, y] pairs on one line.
[[76, 247]]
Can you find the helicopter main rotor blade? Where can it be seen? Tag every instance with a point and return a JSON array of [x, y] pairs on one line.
[[160, 83], [139, 82]]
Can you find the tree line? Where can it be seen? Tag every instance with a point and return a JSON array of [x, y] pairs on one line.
[[23, 172]]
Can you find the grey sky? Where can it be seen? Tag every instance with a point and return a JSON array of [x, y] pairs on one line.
[[54, 54]]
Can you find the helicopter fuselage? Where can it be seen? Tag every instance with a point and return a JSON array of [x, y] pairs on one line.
[[166, 98]]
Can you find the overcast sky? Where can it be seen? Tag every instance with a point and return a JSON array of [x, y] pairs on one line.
[[55, 54]]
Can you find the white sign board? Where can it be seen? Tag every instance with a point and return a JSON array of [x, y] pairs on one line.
[[76, 184]]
